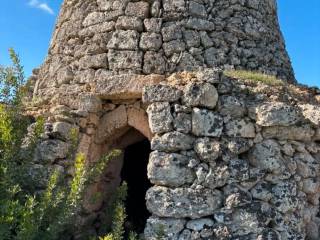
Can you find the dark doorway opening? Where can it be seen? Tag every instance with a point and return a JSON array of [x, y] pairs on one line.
[[134, 173]]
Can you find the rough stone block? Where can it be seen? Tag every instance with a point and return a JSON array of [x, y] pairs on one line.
[[175, 46], [154, 62], [166, 202], [182, 123], [276, 114], [207, 149], [303, 133], [124, 40], [153, 24], [169, 169], [172, 142], [150, 41], [206, 123], [174, 5], [138, 9], [160, 93], [51, 150], [129, 23], [267, 156], [171, 32], [240, 128], [125, 60], [171, 227], [94, 61], [160, 118], [200, 95], [200, 24]]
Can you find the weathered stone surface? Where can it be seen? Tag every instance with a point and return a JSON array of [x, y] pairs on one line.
[[311, 112], [217, 176], [112, 124], [150, 41], [124, 40], [172, 141], [169, 169], [154, 62], [240, 128], [207, 149], [206, 123], [182, 123], [170, 227], [284, 196], [129, 23], [160, 118], [200, 95], [182, 202], [303, 133], [64, 130], [51, 150], [199, 224], [125, 60], [160, 93], [307, 165], [123, 86], [276, 114], [138, 119], [138, 9], [96, 61], [267, 156], [231, 106], [239, 170]]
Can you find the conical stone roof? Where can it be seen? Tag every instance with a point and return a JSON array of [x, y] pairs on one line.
[[101, 38]]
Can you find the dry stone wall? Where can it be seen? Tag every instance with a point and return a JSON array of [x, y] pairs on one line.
[[107, 37], [232, 160]]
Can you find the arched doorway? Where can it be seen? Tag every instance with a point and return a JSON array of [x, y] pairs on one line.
[[134, 173]]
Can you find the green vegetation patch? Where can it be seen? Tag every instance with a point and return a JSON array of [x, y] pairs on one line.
[[254, 76]]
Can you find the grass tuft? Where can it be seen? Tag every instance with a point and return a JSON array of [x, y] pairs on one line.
[[254, 76]]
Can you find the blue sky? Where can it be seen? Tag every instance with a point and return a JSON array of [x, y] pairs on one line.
[[27, 26]]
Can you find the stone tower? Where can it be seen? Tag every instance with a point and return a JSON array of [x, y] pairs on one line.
[[229, 158]]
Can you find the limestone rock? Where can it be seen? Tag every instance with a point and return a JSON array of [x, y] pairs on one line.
[[276, 114], [123, 86], [206, 123], [182, 202], [207, 149], [200, 95], [64, 130], [217, 176], [160, 93], [172, 141], [240, 128], [267, 156], [307, 165], [311, 112], [284, 196], [169, 169], [112, 124], [199, 224], [182, 123], [232, 106], [304, 133], [170, 227], [52, 150], [160, 118]]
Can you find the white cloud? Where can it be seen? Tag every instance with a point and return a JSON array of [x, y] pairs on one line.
[[41, 5]]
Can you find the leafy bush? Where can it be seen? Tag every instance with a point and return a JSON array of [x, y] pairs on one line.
[[48, 215]]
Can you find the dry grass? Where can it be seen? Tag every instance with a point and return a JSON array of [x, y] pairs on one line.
[[254, 76]]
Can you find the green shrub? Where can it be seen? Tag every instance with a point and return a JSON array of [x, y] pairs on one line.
[[48, 215], [254, 76]]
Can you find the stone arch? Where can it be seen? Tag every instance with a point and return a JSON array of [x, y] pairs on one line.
[[125, 125]]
